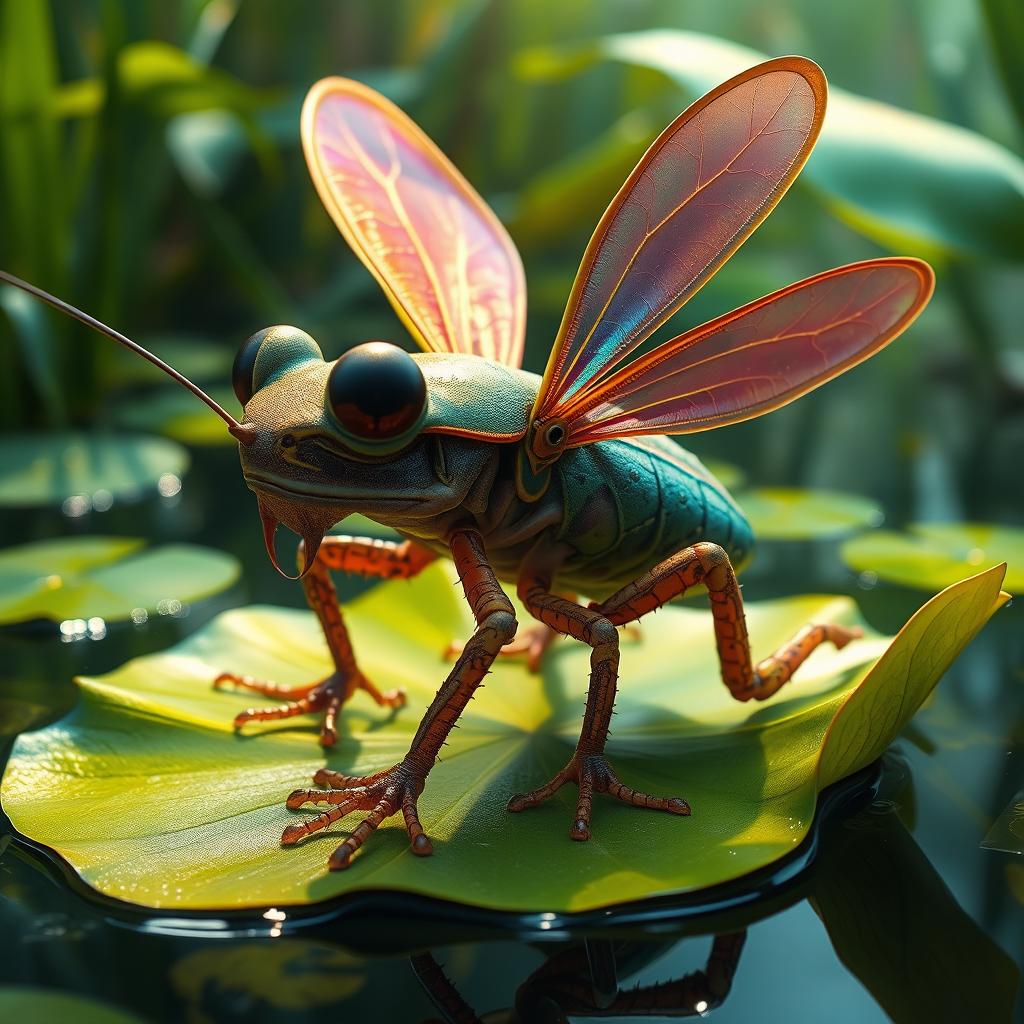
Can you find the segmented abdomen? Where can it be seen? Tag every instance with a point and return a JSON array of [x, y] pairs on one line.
[[628, 504]]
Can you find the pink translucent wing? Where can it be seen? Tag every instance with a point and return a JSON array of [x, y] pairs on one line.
[[443, 259], [711, 177], [759, 357]]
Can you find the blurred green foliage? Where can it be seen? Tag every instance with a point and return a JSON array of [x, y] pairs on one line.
[[151, 173]]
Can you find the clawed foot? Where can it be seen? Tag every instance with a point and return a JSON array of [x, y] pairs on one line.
[[530, 642], [326, 695], [592, 774], [382, 794]]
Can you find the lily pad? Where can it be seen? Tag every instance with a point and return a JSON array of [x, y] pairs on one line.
[[80, 471], [932, 555], [109, 578], [175, 413], [144, 790], [789, 513]]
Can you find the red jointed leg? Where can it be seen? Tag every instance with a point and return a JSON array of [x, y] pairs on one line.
[[702, 563], [587, 768], [530, 643], [710, 565], [398, 789], [383, 559]]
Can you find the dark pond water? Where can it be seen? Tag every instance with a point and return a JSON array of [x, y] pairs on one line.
[[910, 910]]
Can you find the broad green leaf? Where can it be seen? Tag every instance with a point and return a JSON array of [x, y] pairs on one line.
[[106, 577], [902, 179], [882, 706], [934, 555], [147, 793], [174, 412], [31, 1005], [78, 470], [790, 513]]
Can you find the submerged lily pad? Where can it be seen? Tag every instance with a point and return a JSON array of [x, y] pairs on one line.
[[106, 577], [933, 555], [791, 513], [81, 470], [146, 792], [30, 1005]]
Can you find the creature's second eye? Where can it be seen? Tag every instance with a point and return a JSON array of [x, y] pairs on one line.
[[376, 391]]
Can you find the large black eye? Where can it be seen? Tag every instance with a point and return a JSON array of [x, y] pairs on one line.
[[376, 391], [245, 362]]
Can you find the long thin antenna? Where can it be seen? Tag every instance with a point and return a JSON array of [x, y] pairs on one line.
[[242, 431]]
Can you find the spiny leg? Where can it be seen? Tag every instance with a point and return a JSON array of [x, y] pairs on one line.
[[703, 563], [588, 767], [530, 643], [398, 788], [709, 564], [384, 559]]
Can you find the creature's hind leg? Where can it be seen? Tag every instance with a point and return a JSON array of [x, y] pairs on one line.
[[587, 768], [383, 559], [710, 565], [596, 626]]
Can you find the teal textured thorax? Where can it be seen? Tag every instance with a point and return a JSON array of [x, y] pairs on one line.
[[475, 397]]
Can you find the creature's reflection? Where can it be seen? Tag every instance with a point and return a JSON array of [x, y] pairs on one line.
[[586, 981]]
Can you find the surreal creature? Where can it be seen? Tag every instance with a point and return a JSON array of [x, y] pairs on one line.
[[563, 484]]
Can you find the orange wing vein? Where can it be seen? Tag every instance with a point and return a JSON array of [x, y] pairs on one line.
[[704, 185], [443, 259], [759, 357]]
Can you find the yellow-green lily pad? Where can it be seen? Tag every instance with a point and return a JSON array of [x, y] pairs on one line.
[[933, 555], [147, 793], [83, 578], [792, 513], [84, 471]]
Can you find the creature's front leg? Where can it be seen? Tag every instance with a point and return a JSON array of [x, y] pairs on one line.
[[397, 789], [382, 559]]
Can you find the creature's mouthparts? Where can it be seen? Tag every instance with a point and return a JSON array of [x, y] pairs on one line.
[[312, 536]]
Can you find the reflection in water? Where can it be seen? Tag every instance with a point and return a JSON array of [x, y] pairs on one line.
[[584, 981]]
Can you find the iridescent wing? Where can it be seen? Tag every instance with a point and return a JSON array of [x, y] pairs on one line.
[[759, 357], [443, 259], [709, 179]]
